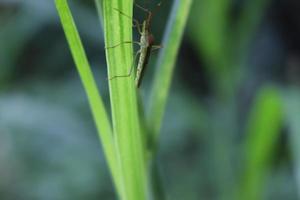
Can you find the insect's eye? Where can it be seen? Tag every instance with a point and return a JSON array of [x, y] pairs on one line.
[[151, 39]]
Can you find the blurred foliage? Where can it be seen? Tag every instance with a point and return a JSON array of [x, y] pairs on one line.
[[263, 130], [232, 51]]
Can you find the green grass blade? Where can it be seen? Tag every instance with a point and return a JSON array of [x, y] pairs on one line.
[[263, 131], [123, 96], [95, 101], [99, 5], [166, 64]]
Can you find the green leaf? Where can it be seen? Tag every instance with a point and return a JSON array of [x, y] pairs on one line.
[[166, 64], [123, 95], [263, 130], [95, 101]]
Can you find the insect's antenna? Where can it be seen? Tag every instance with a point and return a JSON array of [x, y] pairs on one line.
[[147, 11], [157, 7], [147, 2], [142, 8], [150, 13]]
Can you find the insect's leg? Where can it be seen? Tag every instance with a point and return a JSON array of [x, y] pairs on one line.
[[156, 47], [134, 61], [136, 22], [137, 25], [131, 69], [126, 42]]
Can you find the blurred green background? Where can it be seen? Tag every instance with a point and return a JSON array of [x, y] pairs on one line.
[[232, 124]]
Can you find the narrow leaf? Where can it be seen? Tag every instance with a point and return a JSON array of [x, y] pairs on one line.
[[97, 107], [123, 96], [166, 64], [263, 130]]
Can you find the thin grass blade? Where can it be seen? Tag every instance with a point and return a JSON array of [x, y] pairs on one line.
[[263, 131], [97, 107], [166, 63]]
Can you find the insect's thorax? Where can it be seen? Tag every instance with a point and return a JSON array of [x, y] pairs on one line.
[[144, 36]]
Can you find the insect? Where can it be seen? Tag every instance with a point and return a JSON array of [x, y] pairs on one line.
[[146, 44]]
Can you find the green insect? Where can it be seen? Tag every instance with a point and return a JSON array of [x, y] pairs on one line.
[[146, 44]]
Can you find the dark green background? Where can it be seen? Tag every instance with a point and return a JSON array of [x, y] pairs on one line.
[[231, 52]]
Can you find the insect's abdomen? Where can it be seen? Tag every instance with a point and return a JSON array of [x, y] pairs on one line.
[[142, 64]]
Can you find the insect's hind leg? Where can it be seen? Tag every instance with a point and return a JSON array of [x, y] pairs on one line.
[[156, 47], [131, 69]]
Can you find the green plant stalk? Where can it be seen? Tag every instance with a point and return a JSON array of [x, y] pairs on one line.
[[166, 64], [123, 96], [97, 107], [263, 130]]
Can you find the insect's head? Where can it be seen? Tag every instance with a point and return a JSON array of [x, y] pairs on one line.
[[151, 39]]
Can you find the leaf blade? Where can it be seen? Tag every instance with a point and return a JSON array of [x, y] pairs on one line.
[[166, 63], [97, 107], [123, 96]]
